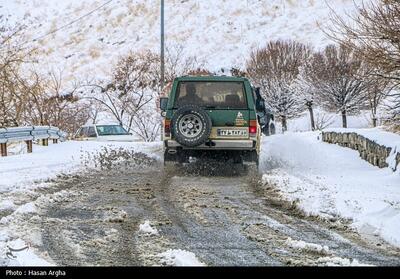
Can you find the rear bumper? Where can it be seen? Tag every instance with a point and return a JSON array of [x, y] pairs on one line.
[[216, 145]]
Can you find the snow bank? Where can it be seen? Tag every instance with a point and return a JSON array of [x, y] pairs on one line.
[[20, 171], [305, 246], [333, 182], [21, 174], [179, 258], [147, 229], [25, 257]]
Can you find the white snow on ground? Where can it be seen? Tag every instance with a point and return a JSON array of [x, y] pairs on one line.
[[220, 33], [26, 257], [26, 208], [332, 181], [326, 119], [147, 229], [179, 257], [338, 261], [305, 246], [21, 174], [7, 204], [20, 171]]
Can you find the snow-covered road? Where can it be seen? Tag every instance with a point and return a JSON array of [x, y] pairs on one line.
[[312, 204], [149, 216]]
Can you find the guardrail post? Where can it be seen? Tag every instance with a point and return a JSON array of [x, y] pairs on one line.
[[55, 141], [3, 147], [45, 142], [29, 146]]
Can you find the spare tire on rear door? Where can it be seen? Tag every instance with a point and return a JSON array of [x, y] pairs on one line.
[[191, 126]]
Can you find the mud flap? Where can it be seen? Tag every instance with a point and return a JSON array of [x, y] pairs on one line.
[[172, 160], [251, 168], [251, 157]]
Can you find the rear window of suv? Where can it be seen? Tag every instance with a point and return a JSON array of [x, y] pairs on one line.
[[111, 130], [214, 94]]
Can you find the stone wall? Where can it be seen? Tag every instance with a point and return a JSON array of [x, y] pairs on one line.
[[369, 150]]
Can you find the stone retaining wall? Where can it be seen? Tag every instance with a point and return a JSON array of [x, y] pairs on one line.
[[369, 150]]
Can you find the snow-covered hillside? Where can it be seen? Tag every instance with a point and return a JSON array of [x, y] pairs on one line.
[[220, 33]]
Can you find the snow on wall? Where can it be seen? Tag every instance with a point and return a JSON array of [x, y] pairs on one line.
[[376, 146]]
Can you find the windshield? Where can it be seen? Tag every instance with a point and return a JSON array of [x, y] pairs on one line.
[[111, 130], [215, 94]]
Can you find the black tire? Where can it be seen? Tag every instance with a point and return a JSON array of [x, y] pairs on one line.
[[255, 158], [265, 130], [201, 135], [251, 157], [272, 129], [178, 158]]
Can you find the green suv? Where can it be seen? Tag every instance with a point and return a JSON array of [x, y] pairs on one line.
[[215, 116]]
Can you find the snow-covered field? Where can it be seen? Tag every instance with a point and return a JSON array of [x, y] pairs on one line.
[[333, 182], [327, 120]]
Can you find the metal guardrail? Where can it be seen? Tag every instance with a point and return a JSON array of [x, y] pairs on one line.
[[29, 134]]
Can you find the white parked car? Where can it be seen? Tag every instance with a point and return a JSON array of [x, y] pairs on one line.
[[110, 132]]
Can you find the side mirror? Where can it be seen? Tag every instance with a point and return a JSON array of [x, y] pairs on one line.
[[260, 103], [163, 103], [272, 117]]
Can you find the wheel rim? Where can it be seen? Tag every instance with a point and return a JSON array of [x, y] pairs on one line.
[[190, 126]]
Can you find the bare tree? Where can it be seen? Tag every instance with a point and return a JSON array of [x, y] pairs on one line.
[[374, 33], [305, 89], [275, 69], [147, 124], [29, 97], [323, 120], [336, 76], [52, 102], [393, 108], [130, 89], [177, 63], [12, 56], [376, 92], [237, 72], [95, 109], [12, 100]]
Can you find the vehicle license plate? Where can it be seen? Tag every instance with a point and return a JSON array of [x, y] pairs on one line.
[[232, 133]]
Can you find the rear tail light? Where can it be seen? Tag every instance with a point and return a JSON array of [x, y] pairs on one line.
[[253, 128], [167, 128]]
